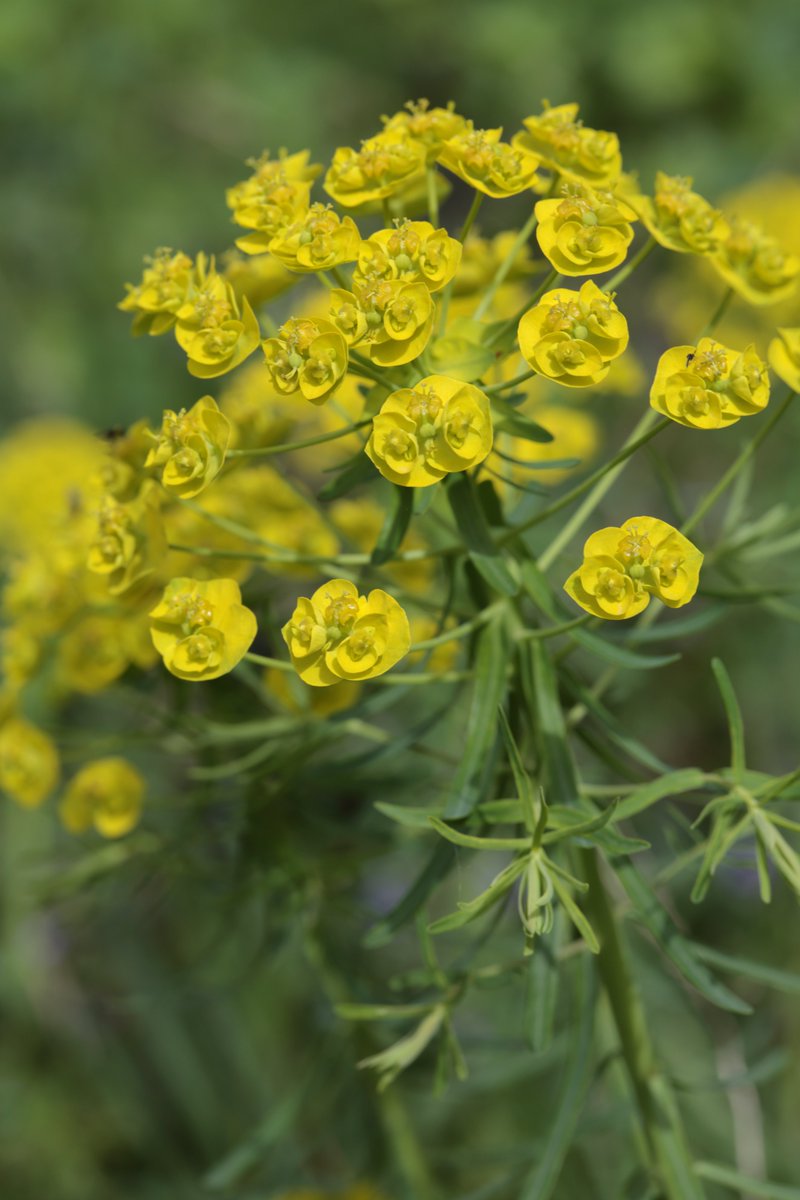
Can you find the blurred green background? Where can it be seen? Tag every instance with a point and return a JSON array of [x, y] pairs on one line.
[[166, 1037]]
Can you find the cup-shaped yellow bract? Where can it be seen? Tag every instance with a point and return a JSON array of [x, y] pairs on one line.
[[200, 628], [391, 320], [216, 330], [784, 357], [106, 794], [679, 218], [318, 240], [586, 232], [383, 166], [575, 151], [130, 539], [190, 448], [421, 434], [271, 199], [572, 337], [491, 166], [709, 386], [412, 252], [338, 634], [155, 301], [624, 566], [29, 764], [309, 356], [429, 127], [755, 265]]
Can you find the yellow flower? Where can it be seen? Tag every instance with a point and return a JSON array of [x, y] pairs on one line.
[[216, 330], [338, 634], [29, 763], [92, 654], [200, 628], [418, 122], [572, 337], [384, 166], [155, 301], [679, 218], [412, 252], [493, 167], [623, 566], [190, 448], [565, 145], [318, 240], [784, 357], [308, 355], [709, 386], [107, 794], [421, 434], [755, 265], [130, 539], [586, 232], [271, 199], [392, 320]]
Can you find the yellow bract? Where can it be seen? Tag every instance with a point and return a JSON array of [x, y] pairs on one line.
[[784, 357], [309, 356], [679, 218], [412, 252], [428, 126], [106, 794], [586, 232], [200, 628], [271, 199], [421, 434], [217, 330], [384, 166], [493, 167], [29, 763], [318, 240], [190, 448], [390, 319], [572, 337], [156, 300], [623, 566], [709, 386], [755, 265], [338, 634], [130, 539], [566, 145]]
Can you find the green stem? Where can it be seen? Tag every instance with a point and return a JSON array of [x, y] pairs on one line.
[[286, 447], [512, 322], [550, 631], [494, 388], [433, 195], [629, 267], [719, 313], [460, 631], [733, 470], [474, 209], [506, 265], [262, 661], [362, 366]]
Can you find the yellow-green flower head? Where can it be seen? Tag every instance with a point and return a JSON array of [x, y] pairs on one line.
[[709, 386], [565, 145], [418, 122], [391, 319], [130, 540], [29, 764], [200, 627], [585, 232], [384, 165], [679, 218], [155, 301], [421, 434], [309, 356], [216, 330], [21, 652], [624, 566], [784, 357], [493, 167], [190, 448], [755, 265], [572, 337], [274, 196], [106, 794], [318, 240], [338, 634], [412, 252], [92, 654]]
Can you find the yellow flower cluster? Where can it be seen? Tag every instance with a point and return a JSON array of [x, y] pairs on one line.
[[190, 448], [491, 166], [338, 634], [624, 566], [271, 199], [586, 232], [309, 356], [709, 386], [201, 629], [570, 148], [679, 218], [573, 337]]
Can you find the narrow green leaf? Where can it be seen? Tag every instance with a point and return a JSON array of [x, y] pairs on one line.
[[379, 1012], [581, 828], [674, 783], [728, 1177], [680, 1182], [410, 817], [576, 914], [395, 527], [544, 976], [732, 712], [517, 425], [466, 502], [477, 843], [774, 977], [561, 781], [621, 656], [495, 571], [532, 805], [488, 691], [358, 470], [469, 910]]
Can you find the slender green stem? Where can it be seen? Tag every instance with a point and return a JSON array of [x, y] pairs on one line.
[[474, 209], [505, 266], [286, 447], [718, 314], [494, 388], [460, 631], [630, 266], [363, 366], [550, 631], [408, 677], [551, 278], [433, 195], [736, 466], [262, 661]]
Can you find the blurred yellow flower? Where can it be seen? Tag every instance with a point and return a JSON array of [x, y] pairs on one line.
[[106, 794], [491, 166], [784, 357], [190, 448], [29, 764], [572, 149]]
